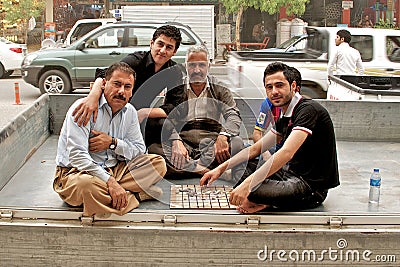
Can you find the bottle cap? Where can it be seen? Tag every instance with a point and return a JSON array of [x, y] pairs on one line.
[[376, 170]]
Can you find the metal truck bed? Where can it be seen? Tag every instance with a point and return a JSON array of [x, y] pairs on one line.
[[31, 186], [37, 228]]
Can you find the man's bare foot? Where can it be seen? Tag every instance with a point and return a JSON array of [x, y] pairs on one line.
[[250, 207]]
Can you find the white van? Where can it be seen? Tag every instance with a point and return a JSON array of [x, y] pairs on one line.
[[83, 26]]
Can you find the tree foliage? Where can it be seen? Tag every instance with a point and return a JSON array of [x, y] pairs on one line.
[[271, 6], [21, 11]]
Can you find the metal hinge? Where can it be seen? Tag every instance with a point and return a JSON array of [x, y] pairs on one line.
[[169, 219], [335, 222], [87, 221], [6, 215], [253, 221]]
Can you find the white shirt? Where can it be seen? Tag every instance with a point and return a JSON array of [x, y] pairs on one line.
[[198, 108], [346, 59], [73, 143]]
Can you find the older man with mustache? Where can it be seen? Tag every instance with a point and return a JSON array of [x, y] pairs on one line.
[[102, 165], [203, 121]]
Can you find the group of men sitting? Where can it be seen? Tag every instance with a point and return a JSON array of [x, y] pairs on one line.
[[102, 161]]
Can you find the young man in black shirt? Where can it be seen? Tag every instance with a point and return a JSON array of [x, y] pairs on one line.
[[300, 173], [155, 71]]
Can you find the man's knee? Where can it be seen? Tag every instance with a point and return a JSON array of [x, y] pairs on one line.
[[159, 164]]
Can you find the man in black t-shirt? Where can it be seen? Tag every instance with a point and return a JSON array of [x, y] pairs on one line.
[[155, 71], [300, 173]]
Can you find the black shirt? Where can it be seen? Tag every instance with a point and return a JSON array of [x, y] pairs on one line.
[[316, 159], [149, 84]]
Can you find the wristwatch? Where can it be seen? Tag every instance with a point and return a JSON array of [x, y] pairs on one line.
[[113, 144], [226, 134]]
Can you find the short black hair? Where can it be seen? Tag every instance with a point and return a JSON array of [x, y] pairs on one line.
[[345, 34], [291, 74], [121, 66], [297, 76], [169, 31]]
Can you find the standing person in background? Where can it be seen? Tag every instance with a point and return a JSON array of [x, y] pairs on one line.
[[366, 22], [155, 71], [97, 14], [258, 32], [345, 59]]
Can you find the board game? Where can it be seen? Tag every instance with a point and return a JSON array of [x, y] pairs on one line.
[[200, 197]]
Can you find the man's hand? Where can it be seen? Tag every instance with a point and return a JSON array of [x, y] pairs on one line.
[[221, 148], [179, 154], [86, 108], [209, 177], [240, 193], [99, 141], [117, 193]]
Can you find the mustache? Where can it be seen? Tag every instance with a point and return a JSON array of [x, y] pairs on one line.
[[121, 97], [197, 75]]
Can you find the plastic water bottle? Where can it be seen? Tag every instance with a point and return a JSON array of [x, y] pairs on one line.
[[374, 187]]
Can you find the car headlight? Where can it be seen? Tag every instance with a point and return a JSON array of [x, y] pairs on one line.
[[28, 59]]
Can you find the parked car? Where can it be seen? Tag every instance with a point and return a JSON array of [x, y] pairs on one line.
[[11, 56], [296, 43], [61, 70]]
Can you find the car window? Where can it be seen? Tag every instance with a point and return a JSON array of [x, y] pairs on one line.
[[393, 48], [106, 38], [140, 36], [83, 29], [187, 39], [363, 43]]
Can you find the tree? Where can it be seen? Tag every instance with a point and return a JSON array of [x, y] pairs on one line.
[[271, 6], [20, 11]]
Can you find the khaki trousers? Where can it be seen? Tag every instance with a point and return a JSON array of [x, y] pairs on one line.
[[80, 188]]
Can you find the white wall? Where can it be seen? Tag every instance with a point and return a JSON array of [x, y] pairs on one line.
[[199, 17]]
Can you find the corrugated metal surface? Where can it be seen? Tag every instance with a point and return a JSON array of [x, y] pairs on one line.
[[199, 17]]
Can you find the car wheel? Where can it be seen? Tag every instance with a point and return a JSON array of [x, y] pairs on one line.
[[312, 92], [55, 82], [8, 74]]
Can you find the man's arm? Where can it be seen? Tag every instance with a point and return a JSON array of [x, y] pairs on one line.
[[332, 63], [144, 113], [230, 113], [249, 153], [257, 135], [89, 105], [359, 65]]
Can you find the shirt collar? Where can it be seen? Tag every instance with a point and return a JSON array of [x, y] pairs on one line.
[[150, 61], [188, 87], [296, 99]]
